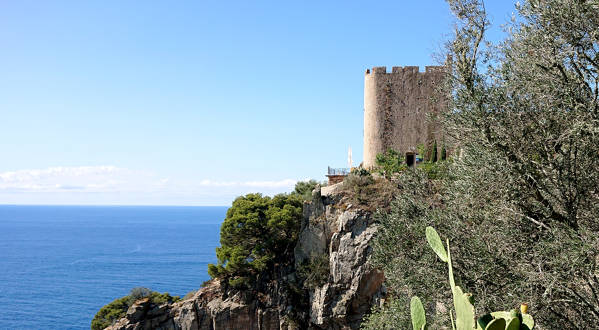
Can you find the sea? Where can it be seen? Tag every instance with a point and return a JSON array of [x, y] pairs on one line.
[[60, 264]]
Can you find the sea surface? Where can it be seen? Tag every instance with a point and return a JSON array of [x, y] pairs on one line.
[[60, 264]]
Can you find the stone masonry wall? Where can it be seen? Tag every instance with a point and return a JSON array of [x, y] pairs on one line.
[[396, 105]]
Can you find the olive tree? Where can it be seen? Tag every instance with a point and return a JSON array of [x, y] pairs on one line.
[[520, 197], [526, 113]]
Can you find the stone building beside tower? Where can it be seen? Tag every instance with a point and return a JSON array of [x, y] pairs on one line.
[[399, 111]]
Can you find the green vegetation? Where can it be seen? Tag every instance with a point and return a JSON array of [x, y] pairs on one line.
[[463, 302], [521, 202], [117, 309], [443, 152], [258, 233], [189, 294], [370, 193], [315, 271], [304, 188], [390, 162], [422, 151], [110, 313]]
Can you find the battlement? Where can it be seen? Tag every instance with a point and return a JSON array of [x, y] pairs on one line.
[[404, 69]]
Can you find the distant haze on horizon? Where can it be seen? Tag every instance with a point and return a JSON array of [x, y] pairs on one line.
[[194, 102]]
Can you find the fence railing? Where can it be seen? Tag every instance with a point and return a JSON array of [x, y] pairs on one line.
[[338, 171]]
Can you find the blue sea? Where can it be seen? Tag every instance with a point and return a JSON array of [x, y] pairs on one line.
[[60, 264]]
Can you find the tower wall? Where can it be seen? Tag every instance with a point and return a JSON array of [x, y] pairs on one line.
[[397, 107]]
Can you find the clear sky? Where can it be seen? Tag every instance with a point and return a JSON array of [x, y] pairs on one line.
[[193, 102]]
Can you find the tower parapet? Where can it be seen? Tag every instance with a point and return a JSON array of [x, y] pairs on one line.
[[397, 105]]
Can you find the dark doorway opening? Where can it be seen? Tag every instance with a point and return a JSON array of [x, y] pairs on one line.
[[410, 159]]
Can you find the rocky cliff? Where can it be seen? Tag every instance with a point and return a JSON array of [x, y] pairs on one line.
[[338, 295]]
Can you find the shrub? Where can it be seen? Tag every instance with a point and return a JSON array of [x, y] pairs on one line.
[[315, 271], [258, 232], [304, 188], [389, 163], [391, 316], [110, 313], [189, 295], [361, 188], [434, 171], [443, 152], [139, 292], [358, 179], [161, 298], [117, 309], [463, 303]]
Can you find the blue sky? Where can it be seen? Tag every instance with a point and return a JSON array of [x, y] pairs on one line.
[[193, 102]]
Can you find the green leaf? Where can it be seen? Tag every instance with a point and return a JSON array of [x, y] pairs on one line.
[[435, 242], [463, 309], [417, 313], [514, 324], [496, 324], [528, 321], [484, 320]]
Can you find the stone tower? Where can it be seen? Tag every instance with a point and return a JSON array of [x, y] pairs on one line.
[[396, 108]]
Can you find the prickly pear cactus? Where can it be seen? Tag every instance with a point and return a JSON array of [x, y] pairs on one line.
[[463, 302], [496, 324], [436, 243], [417, 314], [523, 320]]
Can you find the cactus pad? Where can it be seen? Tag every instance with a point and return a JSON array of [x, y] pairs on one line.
[[435, 242], [417, 313]]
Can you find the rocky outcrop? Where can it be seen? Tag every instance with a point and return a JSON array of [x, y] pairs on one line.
[[344, 233], [330, 229]]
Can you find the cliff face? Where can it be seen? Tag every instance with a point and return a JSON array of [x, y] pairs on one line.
[[339, 300]]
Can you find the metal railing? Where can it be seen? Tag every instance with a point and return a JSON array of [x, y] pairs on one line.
[[338, 171]]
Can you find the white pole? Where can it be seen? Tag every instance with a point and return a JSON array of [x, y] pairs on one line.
[[349, 162]]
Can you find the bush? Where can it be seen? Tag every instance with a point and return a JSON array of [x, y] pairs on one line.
[[370, 193], [161, 298], [359, 185], [304, 188], [189, 294], [443, 152], [110, 313], [258, 232], [117, 309], [433, 171], [139, 292], [315, 271], [390, 162], [397, 250], [391, 316]]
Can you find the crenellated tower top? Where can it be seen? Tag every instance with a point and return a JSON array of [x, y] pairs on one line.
[[397, 109]]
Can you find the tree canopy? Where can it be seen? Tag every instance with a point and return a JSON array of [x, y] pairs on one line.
[[257, 232], [522, 201]]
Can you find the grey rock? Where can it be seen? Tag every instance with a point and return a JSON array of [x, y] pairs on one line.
[[138, 310], [328, 227]]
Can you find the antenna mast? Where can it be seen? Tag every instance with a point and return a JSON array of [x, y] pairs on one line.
[[349, 161]]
